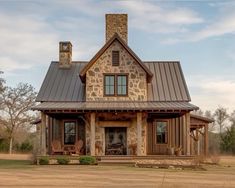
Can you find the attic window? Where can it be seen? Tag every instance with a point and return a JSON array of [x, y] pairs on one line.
[[115, 58]]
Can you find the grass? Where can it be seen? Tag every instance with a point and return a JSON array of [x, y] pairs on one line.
[[15, 164]]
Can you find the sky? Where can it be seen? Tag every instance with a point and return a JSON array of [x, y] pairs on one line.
[[200, 34]]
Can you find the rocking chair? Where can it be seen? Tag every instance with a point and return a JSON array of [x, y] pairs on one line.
[[56, 147], [77, 147]]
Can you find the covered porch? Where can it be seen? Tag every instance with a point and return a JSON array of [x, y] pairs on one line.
[[121, 128]]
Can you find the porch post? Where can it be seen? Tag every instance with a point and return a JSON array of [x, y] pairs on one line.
[[92, 142], [139, 133], [206, 139], [188, 134], [197, 141], [43, 134]]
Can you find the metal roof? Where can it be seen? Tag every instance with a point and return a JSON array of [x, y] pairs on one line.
[[112, 106], [62, 84], [168, 83], [201, 118]]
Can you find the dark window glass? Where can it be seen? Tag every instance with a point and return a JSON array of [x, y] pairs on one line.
[[115, 58], [161, 132], [69, 133], [121, 85], [109, 85]]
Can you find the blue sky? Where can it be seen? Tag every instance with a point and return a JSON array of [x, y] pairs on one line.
[[200, 34]]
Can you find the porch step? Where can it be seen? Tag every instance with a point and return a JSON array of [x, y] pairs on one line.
[[133, 159]]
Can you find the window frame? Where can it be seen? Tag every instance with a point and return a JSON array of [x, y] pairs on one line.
[[115, 84], [166, 132], [75, 133]]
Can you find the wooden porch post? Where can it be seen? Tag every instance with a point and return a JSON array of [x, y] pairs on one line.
[[206, 139], [139, 133], [43, 134], [188, 134], [92, 142], [197, 141]]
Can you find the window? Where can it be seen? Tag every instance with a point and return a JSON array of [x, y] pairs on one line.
[[115, 58], [121, 85], [109, 85], [115, 85], [161, 132], [69, 133]]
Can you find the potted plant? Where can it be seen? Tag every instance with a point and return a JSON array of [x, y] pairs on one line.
[[178, 151]]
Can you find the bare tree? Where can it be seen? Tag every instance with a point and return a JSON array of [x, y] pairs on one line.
[[221, 116], [209, 115], [15, 111]]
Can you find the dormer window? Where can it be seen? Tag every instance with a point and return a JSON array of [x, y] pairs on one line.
[[115, 58], [115, 85]]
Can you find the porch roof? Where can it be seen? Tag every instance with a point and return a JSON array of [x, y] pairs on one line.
[[116, 106]]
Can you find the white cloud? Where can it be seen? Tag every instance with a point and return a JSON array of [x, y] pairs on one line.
[[150, 17], [213, 92], [224, 24], [8, 64]]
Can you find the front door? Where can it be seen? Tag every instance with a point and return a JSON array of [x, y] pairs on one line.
[[115, 140], [159, 134]]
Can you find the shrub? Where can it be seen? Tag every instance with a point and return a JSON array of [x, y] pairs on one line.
[[4, 145], [44, 160], [26, 146], [87, 160], [63, 160]]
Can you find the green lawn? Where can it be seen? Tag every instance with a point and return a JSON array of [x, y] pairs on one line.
[[14, 164]]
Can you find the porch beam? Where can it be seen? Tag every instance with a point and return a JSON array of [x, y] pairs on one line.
[[92, 141], [139, 133]]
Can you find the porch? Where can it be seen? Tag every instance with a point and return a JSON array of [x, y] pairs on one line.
[[116, 133]]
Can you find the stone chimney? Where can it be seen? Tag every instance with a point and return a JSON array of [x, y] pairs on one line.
[[65, 54], [116, 23]]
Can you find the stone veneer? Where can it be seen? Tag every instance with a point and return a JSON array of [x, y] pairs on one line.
[[137, 83], [131, 137]]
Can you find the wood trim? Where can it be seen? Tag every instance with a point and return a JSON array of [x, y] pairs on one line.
[[114, 123]]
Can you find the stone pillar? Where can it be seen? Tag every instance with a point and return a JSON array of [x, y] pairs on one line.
[[43, 134], [92, 142], [139, 133]]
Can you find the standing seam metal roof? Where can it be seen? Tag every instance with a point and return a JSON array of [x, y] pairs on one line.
[[64, 85]]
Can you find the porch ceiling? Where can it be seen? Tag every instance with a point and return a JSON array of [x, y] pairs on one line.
[[116, 106]]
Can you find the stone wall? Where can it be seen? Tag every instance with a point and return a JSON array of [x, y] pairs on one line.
[[137, 83], [116, 23]]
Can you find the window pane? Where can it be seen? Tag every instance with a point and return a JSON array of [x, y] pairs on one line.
[[124, 90], [122, 85], [111, 91], [109, 85], [111, 81], [161, 132], [69, 132], [119, 90], [107, 90], [124, 80]]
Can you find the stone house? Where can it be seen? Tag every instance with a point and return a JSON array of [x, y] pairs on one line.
[[117, 104]]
